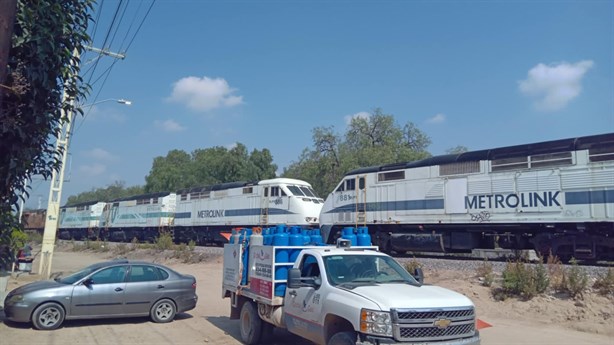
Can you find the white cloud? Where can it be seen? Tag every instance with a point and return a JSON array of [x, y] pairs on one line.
[[436, 119], [204, 94], [359, 115], [555, 85], [231, 146], [93, 169], [169, 126], [100, 154]]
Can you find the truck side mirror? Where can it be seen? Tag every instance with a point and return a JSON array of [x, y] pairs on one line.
[[419, 275], [294, 278]]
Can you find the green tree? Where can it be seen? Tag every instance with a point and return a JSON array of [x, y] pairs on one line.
[[42, 84], [209, 166], [113, 191], [260, 165], [170, 173], [368, 141], [457, 149]]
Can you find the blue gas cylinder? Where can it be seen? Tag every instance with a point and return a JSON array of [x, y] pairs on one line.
[[348, 234], [296, 239], [316, 237], [244, 239], [267, 236], [306, 236], [363, 237], [281, 238]]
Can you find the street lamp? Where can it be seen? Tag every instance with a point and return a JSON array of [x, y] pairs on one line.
[[121, 101], [55, 190]]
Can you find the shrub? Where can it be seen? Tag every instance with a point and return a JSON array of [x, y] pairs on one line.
[[541, 277], [121, 249], [577, 279], [524, 280], [605, 283], [411, 265], [556, 273], [486, 273], [164, 241]]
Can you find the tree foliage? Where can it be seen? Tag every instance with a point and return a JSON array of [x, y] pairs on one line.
[[457, 149], [42, 65], [209, 166], [113, 191], [42, 85], [368, 141]]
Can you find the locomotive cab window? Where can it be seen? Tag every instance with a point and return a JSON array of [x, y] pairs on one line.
[[350, 184], [341, 187], [277, 191]]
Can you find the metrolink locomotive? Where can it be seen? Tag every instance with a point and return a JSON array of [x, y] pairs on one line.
[[205, 215], [555, 197]]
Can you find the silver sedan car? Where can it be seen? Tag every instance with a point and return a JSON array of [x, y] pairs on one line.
[[118, 288]]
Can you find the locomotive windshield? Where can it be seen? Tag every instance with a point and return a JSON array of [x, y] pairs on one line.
[[295, 190]]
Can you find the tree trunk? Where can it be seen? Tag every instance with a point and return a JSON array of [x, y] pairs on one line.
[[8, 9]]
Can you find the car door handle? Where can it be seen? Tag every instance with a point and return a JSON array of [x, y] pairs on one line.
[[118, 289], [160, 286], [292, 293]]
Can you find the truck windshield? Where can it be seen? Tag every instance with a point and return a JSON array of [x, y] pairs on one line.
[[355, 269]]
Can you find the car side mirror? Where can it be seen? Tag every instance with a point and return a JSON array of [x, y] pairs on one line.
[[88, 282], [419, 275]]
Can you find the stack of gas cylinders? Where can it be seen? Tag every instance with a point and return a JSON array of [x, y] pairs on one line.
[[283, 237]]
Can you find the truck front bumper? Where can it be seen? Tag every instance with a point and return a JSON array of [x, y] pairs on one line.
[[371, 340]]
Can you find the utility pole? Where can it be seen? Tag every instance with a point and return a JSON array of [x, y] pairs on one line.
[[57, 179]]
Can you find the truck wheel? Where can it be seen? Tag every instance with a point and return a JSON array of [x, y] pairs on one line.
[[343, 338], [267, 333], [250, 324]]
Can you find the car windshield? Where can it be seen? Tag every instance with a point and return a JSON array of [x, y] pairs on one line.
[[351, 270], [75, 277]]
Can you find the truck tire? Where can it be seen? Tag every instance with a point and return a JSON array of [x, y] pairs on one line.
[[343, 338], [250, 324], [267, 333]]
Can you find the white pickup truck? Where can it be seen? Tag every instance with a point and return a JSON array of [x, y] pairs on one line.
[[340, 295]]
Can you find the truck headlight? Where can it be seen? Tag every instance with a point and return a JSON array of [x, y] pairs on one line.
[[375, 322]]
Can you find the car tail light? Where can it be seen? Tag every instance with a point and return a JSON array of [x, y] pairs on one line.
[[194, 285]]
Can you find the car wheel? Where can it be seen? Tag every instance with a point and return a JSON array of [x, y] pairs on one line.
[[250, 324], [343, 338], [48, 316], [163, 311]]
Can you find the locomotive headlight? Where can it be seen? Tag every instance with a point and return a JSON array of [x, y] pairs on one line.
[[375, 322], [311, 219]]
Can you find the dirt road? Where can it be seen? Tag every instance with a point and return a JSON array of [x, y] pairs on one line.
[[209, 322]]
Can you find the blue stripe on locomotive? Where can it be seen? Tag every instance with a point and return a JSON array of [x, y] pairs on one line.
[[239, 213], [589, 197]]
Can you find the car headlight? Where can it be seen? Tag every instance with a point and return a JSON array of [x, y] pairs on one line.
[[16, 298], [375, 322]]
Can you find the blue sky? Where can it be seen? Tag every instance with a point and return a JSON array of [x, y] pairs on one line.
[[265, 73]]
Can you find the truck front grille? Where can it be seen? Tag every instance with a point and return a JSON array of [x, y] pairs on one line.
[[433, 324]]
